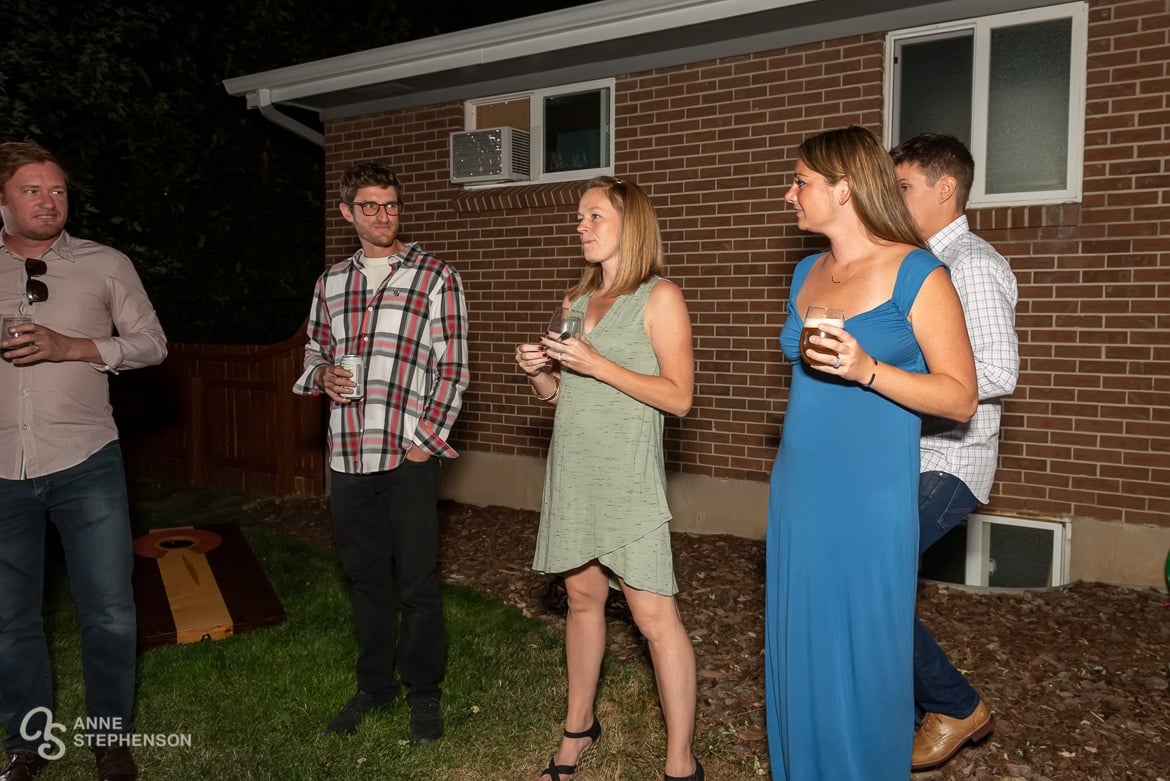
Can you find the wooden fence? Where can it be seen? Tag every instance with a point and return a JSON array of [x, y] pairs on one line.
[[223, 416]]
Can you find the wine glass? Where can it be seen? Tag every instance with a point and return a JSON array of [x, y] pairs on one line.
[[564, 324]]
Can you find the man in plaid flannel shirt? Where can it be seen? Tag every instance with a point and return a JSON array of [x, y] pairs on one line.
[[402, 310]]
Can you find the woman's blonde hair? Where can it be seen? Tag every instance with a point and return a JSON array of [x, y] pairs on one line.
[[854, 153], [641, 242]]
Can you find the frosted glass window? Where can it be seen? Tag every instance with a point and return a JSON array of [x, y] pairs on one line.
[[1010, 86], [1019, 556], [936, 87], [1028, 100]]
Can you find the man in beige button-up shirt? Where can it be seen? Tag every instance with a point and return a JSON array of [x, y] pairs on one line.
[[60, 461]]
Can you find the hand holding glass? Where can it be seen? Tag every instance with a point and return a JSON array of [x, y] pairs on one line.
[[8, 323], [813, 318], [564, 324]]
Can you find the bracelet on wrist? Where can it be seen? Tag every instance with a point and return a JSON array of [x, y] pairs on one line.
[[552, 396], [873, 376]]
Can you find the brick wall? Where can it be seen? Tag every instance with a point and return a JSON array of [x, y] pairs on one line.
[[1087, 432]]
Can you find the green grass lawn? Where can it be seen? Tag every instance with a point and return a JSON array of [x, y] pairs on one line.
[[253, 704]]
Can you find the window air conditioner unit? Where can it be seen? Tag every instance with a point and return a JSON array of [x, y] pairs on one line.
[[495, 154]]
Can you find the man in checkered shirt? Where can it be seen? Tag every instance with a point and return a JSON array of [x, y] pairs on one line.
[[402, 311], [935, 173]]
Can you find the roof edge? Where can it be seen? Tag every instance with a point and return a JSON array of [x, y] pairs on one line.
[[550, 31]]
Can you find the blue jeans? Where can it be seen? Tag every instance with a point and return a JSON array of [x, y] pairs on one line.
[[944, 501], [386, 526], [88, 505]]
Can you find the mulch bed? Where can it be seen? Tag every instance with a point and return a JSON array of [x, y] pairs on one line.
[[1077, 676]]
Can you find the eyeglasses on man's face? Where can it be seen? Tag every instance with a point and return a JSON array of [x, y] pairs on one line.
[[371, 208], [34, 289]]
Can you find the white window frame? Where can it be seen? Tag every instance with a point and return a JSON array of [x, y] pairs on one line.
[[978, 560], [980, 29], [536, 100]]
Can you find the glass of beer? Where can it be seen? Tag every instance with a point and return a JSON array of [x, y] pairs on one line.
[[813, 319]]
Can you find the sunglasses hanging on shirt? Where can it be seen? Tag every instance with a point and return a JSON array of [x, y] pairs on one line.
[[35, 290]]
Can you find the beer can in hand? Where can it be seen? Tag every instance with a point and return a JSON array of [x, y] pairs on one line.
[[357, 366]]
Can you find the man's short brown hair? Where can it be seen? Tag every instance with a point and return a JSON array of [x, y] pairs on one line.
[[369, 174], [14, 155], [939, 155]]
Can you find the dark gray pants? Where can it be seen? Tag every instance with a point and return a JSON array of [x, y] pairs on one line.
[[386, 528]]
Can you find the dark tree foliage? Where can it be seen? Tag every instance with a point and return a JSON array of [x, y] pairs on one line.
[[221, 210]]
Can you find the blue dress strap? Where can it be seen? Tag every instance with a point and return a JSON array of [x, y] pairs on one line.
[[915, 268]]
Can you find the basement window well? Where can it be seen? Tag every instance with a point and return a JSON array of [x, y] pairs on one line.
[[1001, 551]]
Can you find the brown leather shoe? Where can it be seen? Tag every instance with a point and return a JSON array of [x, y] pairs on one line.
[[23, 766], [940, 737], [115, 764]]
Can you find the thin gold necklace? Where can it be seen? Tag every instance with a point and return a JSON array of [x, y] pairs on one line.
[[833, 276]]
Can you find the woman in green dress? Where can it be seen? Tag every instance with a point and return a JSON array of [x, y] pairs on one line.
[[604, 517]]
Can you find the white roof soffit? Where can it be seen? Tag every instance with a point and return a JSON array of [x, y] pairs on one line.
[[595, 40], [525, 37]]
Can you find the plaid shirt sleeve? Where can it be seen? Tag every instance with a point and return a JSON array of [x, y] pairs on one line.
[[315, 355], [987, 288], [448, 329]]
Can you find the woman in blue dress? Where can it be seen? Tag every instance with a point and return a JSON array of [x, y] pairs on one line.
[[842, 538]]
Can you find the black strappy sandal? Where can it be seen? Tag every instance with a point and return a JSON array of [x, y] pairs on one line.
[[554, 771], [696, 776]]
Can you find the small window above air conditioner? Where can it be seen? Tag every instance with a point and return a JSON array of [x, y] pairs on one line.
[[496, 154]]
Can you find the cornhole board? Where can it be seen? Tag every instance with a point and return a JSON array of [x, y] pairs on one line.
[[194, 583]]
